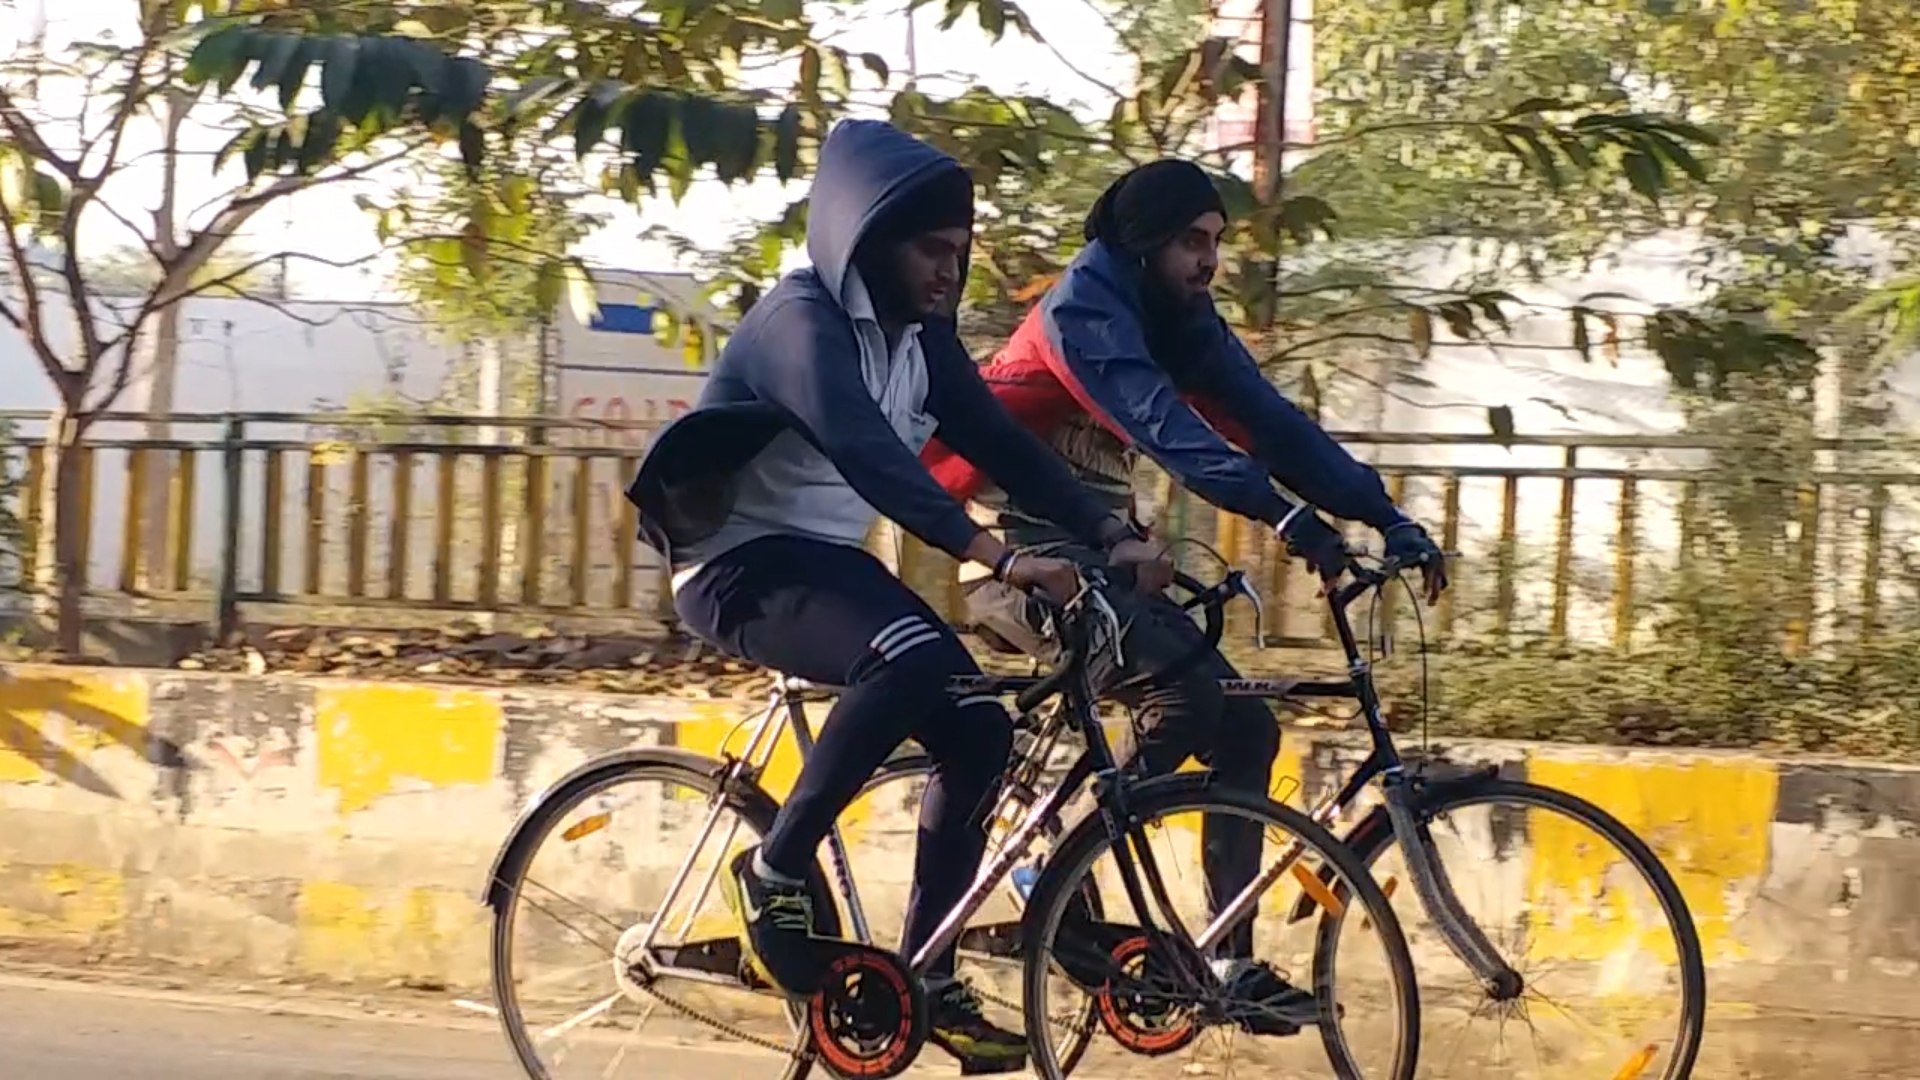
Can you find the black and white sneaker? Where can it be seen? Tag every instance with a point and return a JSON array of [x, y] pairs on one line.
[[1263, 1002]]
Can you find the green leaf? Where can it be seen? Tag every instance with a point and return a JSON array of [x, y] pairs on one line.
[[322, 137], [786, 144], [591, 116], [255, 156], [338, 87], [1500, 423], [646, 130], [877, 65], [233, 146], [993, 18], [276, 53], [467, 80], [473, 148], [215, 55], [698, 129], [1644, 173], [737, 143]]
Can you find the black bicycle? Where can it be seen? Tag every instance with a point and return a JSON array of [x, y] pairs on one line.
[[1590, 902], [1102, 921]]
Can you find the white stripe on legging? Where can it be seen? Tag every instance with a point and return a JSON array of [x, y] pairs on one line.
[[894, 631], [923, 636]]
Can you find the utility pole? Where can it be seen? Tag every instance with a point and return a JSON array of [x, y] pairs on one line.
[[1269, 139], [913, 45], [1270, 110]]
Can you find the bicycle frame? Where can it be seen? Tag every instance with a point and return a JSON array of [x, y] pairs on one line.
[[786, 708], [1383, 763]]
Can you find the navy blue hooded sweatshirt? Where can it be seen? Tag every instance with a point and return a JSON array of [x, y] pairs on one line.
[[797, 434]]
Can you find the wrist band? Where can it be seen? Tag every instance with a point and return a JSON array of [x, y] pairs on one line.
[[1280, 530], [1004, 564]]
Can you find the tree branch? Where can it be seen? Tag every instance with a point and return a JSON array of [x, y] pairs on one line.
[[198, 250], [23, 131], [33, 321]]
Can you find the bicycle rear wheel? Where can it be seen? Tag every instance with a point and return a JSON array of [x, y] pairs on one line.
[[1153, 1010], [1569, 896], [594, 859]]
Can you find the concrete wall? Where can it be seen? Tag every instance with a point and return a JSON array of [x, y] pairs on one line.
[[337, 830]]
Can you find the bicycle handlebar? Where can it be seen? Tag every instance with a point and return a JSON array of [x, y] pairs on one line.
[[1079, 619]]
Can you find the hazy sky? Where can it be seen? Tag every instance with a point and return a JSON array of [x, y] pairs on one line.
[[327, 224]]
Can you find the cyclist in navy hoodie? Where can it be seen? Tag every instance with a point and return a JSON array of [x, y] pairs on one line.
[[1126, 355], [809, 427]]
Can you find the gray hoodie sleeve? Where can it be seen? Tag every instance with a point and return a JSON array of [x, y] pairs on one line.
[[809, 366]]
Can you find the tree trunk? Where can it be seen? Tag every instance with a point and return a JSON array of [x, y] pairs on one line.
[[62, 549], [161, 364]]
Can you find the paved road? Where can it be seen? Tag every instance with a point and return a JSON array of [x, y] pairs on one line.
[[79, 1032]]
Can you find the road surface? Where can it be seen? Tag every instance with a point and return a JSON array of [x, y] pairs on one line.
[[62, 1030], [86, 1032]]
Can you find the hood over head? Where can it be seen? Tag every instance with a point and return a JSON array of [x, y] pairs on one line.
[[874, 178]]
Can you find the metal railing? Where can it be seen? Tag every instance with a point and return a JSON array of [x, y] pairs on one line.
[[1564, 537]]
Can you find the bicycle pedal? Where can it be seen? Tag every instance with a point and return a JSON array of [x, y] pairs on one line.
[[979, 1066]]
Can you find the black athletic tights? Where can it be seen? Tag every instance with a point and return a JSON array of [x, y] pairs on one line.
[[833, 614]]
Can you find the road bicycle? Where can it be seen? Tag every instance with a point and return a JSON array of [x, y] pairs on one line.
[[1146, 977]]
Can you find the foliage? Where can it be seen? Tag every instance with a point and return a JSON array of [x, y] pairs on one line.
[[486, 253], [665, 88], [1806, 104], [130, 271]]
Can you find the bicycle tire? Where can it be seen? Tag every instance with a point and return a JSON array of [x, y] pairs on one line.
[[551, 808], [1477, 792], [1195, 793], [919, 764]]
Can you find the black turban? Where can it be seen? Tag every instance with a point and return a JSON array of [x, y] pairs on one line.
[[1151, 205]]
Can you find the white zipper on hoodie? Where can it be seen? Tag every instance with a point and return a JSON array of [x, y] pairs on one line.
[[791, 488]]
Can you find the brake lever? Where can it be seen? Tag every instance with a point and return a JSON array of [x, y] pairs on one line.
[[1245, 588], [1105, 611]]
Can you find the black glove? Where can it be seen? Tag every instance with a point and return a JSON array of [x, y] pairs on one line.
[[1408, 544], [1315, 541]]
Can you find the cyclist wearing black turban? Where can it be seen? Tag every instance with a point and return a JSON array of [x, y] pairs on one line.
[[1126, 354]]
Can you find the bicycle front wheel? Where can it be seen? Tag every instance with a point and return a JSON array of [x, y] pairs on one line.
[[1612, 984], [1150, 1000]]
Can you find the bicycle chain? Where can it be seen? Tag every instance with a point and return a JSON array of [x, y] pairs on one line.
[[783, 1049], [714, 1022]]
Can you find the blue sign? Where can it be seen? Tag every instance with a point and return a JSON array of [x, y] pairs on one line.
[[622, 319]]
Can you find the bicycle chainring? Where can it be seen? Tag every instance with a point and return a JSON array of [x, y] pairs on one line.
[[1143, 1007], [869, 1019]]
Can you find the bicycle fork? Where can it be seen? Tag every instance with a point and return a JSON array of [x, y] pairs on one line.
[[1430, 882], [1438, 896]]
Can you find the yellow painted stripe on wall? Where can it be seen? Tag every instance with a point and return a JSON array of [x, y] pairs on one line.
[[349, 932], [65, 902], [373, 738], [1708, 819], [53, 721]]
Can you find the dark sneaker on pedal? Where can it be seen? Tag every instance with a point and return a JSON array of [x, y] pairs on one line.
[[777, 917], [958, 1027], [1263, 1002]]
